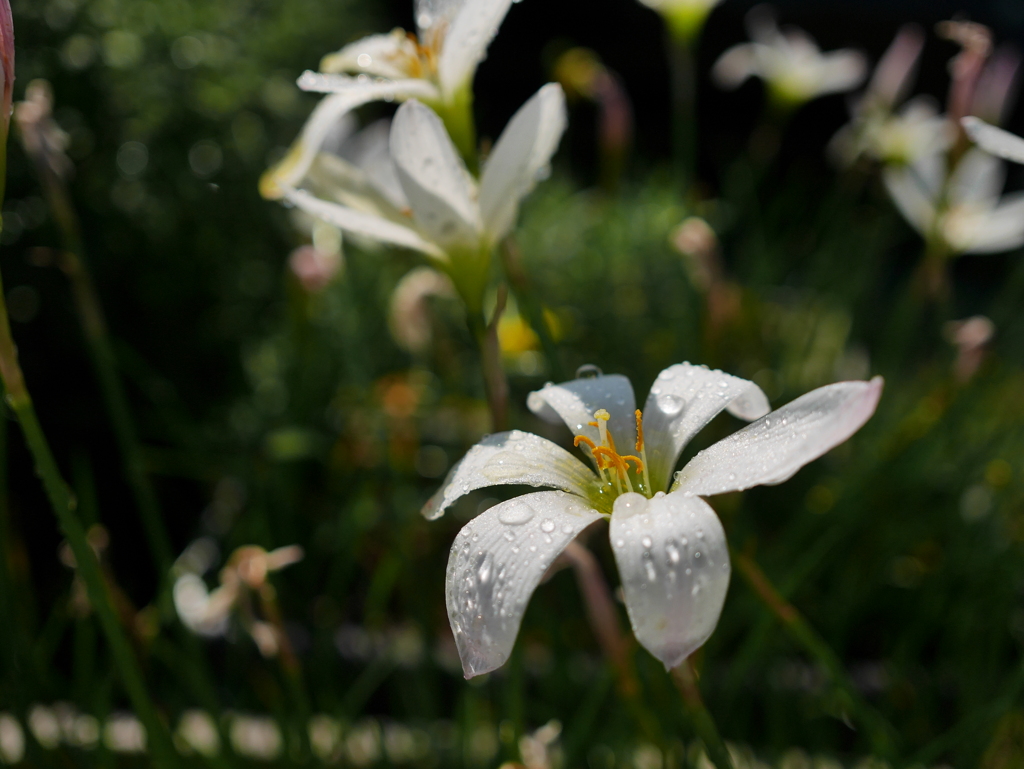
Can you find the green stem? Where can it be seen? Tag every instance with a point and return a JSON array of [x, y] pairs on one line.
[[457, 115], [684, 105], [532, 307], [94, 327], [703, 724], [495, 381], [880, 733]]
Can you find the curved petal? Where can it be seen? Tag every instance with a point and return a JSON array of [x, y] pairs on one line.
[[370, 151], [439, 189], [379, 89], [575, 403], [977, 179], [735, 66], [465, 44], [683, 399], [773, 448], [434, 17], [508, 458], [520, 157], [496, 563], [364, 224], [994, 140], [674, 563], [990, 231], [393, 56], [842, 71], [908, 192]]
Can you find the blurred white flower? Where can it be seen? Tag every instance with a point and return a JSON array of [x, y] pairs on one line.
[[993, 140], [408, 187], [197, 733], [257, 737], [409, 316], [12, 740], [207, 612], [685, 18], [539, 749], [324, 737], [124, 733], [960, 211], [44, 141], [789, 61], [670, 548], [43, 723], [970, 337]]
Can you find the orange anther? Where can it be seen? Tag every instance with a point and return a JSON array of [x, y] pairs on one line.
[[583, 439], [639, 430], [636, 461]]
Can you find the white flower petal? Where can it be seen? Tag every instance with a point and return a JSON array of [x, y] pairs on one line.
[[674, 564], [842, 71], [735, 66], [683, 399], [370, 151], [575, 403], [465, 44], [434, 179], [514, 457], [1000, 143], [393, 56], [374, 90], [363, 224], [773, 448], [993, 231], [435, 16], [977, 179], [496, 563], [521, 155], [909, 192]]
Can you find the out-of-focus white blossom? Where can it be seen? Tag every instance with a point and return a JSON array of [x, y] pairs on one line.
[[325, 737], [971, 338], [197, 733], [43, 723], [994, 140], [12, 740], [44, 141], [257, 737], [409, 316], [124, 733], [789, 62], [363, 743], [539, 749], [960, 210]]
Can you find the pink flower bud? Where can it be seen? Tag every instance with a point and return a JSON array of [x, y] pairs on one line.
[[7, 58]]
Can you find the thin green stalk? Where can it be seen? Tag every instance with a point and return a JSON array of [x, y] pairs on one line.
[[703, 724], [104, 362], [532, 307], [684, 106], [63, 505], [880, 733], [495, 381]]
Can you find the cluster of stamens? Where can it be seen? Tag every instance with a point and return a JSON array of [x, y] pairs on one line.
[[612, 466]]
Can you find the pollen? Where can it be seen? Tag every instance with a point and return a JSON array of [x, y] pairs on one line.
[[611, 465]]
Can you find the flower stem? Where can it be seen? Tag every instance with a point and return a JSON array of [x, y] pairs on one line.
[[604, 621], [686, 680], [512, 262], [94, 328], [495, 381], [684, 106], [880, 733]]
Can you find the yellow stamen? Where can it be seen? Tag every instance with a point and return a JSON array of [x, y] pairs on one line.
[[602, 418], [583, 439]]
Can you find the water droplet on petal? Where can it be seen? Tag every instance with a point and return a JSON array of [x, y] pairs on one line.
[[646, 542], [547, 525], [516, 513], [669, 404]]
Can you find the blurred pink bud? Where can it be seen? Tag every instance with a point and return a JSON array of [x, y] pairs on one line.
[[7, 57], [975, 41], [409, 317], [997, 86], [43, 139], [970, 337], [314, 269], [895, 70], [696, 241]]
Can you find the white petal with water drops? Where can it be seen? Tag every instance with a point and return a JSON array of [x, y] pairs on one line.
[[496, 562], [360, 223], [575, 403], [514, 457], [683, 399], [435, 181], [674, 564], [522, 152], [773, 448], [465, 43]]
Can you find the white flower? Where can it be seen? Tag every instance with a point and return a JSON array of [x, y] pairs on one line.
[[962, 209], [994, 140], [670, 548], [879, 132], [409, 187], [685, 17], [789, 62]]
